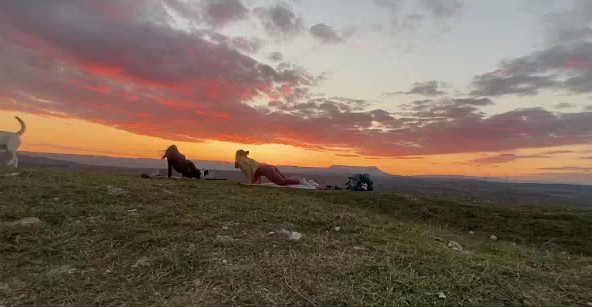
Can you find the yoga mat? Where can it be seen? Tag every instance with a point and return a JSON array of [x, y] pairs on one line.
[[273, 185]]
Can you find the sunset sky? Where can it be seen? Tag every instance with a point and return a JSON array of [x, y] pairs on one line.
[[474, 87]]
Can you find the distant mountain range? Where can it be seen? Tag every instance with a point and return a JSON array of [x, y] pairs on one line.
[[216, 165], [136, 163], [557, 178], [57, 159]]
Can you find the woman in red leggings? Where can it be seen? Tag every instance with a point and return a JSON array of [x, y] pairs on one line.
[[254, 170]]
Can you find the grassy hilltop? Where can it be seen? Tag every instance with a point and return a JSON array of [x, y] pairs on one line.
[[203, 243]]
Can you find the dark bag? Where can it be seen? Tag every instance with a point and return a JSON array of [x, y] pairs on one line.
[[359, 182]]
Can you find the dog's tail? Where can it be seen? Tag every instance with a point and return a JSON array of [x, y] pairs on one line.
[[23, 126]]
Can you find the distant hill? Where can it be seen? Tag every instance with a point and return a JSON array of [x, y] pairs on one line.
[[135, 163], [556, 178], [487, 189], [72, 160], [217, 165], [26, 160]]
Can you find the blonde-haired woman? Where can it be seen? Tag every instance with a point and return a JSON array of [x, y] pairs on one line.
[[254, 170]]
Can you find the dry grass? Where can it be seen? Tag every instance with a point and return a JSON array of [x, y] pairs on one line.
[[199, 243]]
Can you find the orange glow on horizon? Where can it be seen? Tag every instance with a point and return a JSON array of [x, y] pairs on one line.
[[71, 136]]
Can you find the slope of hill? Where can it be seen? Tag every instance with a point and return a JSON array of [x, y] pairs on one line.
[[165, 242], [465, 188]]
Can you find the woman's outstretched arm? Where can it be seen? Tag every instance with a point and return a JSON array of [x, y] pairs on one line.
[[244, 167]]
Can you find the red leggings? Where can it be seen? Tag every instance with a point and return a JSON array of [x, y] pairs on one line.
[[274, 175]]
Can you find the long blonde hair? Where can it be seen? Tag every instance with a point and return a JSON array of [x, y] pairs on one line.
[[240, 153]]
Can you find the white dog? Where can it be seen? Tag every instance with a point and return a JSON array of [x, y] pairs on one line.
[[11, 141]]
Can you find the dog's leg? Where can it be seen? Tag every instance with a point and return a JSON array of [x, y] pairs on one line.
[[13, 160], [10, 162]]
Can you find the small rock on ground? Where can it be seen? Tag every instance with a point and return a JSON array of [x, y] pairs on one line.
[[225, 239], [28, 221], [116, 191], [295, 236], [68, 269], [144, 262], [455, 246], [292, 235]]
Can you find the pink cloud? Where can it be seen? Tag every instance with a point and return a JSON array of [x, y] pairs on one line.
[[557, 152], [346, 155], [505, 158], [568, 168], [577, 63]]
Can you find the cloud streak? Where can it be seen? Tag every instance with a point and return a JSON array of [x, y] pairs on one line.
[[567, 168], [557, 152], [551, 69], [564, 105], [328, 35], [280, 21], [443, 9], [428, 88], [219, 13], [275, 56], [440, 12], [505, 158]]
